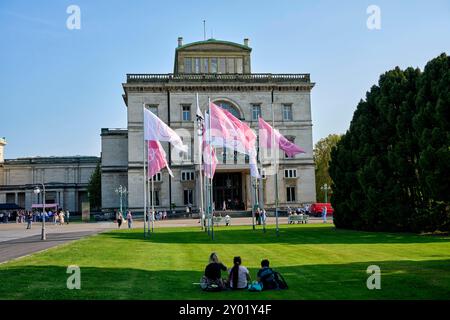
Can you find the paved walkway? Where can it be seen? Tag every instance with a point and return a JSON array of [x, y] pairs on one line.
[[16, 241]]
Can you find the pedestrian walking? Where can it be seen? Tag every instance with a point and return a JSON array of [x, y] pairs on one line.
[[67, 216], [129, 219], [324, 214], [119, 219], [61, 218], [30, 219]]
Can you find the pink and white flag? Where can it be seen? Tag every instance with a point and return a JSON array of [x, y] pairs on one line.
[[230, 132], [267, 134], [156, 129], [209, 153], [156, 158]]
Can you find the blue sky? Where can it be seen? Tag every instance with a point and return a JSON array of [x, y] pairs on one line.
[[58, 87]]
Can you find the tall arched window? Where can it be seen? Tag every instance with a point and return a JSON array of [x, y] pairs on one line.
[[229, 107]]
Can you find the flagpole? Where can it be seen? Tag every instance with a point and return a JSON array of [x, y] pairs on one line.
[[261, 186], [145, 175], [276, 167], [150, 216], [210, 175], [200, 147], [153, 200]]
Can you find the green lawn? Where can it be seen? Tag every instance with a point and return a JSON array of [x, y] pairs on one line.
[[317, 261]]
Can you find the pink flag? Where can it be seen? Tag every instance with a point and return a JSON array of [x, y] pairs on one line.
[[156, 129], [156, 158], [209, 154], [230, 132], [267, 133]]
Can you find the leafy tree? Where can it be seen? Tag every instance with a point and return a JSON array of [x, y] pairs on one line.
[[390, 170], [322, 156], [95, 188]]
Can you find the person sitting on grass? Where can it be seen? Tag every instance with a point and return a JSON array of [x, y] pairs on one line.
[[213, 277], [266, 276], [239, 277]]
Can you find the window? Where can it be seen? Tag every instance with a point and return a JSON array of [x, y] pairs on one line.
[[157, 177], [239, 68], [187, 175], [188, 196], [230, 65], [290, 173], [152, 108], [156, 192], [213, 65], [256, 111], [187, 65], [291, 139], [222, 65], [290, 194], [229, 107], [287, 112], [186, 116], [188, 141], [196, 65], [204, 65]]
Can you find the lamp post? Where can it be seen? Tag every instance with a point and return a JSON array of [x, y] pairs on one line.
[[36, 192], [121, 191], [325, 188]]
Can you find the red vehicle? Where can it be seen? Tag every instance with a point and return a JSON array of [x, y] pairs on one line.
[[316, 209]]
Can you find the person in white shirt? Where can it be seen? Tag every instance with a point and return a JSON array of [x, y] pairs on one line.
[[239, 277], [227, 220]]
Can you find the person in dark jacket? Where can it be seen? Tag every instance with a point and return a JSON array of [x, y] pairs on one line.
[[213, 271], [266, 276]]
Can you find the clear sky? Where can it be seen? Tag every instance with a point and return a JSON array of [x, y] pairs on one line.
[[58, 87]]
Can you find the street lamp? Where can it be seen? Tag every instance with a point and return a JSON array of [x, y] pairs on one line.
[[326, 188], [121, 191], [36, 192]]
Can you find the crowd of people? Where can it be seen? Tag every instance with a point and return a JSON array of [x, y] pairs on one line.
[[29, 216], [238, 276]]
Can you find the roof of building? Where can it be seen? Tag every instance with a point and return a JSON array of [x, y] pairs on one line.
[[53, 160], [214, 41]]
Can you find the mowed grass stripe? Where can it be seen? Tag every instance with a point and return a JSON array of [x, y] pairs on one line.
[[318, 262]]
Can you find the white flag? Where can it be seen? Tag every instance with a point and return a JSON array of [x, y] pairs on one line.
[[156, 129]]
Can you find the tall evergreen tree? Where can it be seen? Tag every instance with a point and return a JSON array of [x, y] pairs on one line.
[[390, 170]]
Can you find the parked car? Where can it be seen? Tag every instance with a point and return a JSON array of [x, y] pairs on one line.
[[316, 209]]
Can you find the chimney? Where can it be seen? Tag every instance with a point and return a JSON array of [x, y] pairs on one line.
[[2, 148], [246, 42], [180, 41]]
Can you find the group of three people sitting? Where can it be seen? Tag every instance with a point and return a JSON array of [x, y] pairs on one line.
[[238, 275]]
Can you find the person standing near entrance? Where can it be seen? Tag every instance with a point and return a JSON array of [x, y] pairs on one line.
[[68, 216], [224, 207]]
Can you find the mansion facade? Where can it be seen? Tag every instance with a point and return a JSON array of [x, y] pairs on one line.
[[65, 178], [220, 72]]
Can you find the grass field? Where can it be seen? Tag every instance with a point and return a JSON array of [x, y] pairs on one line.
[[317, 261]]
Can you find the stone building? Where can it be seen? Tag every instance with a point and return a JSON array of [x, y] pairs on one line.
[[65, 179], [219, 71]]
